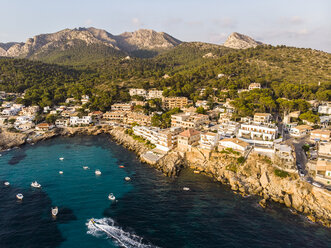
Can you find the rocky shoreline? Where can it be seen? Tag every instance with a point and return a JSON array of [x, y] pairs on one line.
[[255, 176]]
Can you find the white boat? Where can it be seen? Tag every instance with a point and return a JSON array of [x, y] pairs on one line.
[[61, 172], [186, 188], [19, 196], [127, 178], [61, 159], [6, 183], [97, 172], [111, 197], [86, 167], [55, 211], [35, 184]]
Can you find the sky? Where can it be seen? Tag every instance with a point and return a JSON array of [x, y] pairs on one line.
[[299, 23]]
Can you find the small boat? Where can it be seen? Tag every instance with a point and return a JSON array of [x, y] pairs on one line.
[[61, 172], [55, 211], [196, 172], [61, 159], [6, 183], [19, 196], [186, 188], [0, 155], [86, 167], [127, 178], [111, 197], [121, 166], [97, 172], [35, 184]]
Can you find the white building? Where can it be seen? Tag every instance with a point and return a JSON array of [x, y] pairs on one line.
[[262, 117], [154, 94], [255, 133], [137, 92], [11, 111], [253, 86], [233, 143], [62, 122], [85, 99], [209, 140], [85, 120], [299, 131], [148, 133], [167, 139], [189, 120], [325, 108]]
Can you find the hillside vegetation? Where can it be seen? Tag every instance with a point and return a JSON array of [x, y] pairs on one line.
[[105, 75]]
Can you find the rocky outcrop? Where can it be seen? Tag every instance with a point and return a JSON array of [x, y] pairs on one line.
[[10, 139], [240, 41], [257, 176]]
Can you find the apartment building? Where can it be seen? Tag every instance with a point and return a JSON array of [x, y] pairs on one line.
[[300, 131], [174, 102], [168, 138], [115, 115], [188, 138], [148, 133], [255, 133], [29, 111], [320, 135], [85, 120], [152, 94], [121, 107], [189, 120], [262, 117], [62, 122], [137, 92], [209, 140], [140, 119]]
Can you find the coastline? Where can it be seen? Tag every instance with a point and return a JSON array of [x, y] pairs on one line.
[[255, 176]]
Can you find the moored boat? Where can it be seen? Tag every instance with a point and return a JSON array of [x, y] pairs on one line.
[[196, 172], [121, 166], [19, 196], [35, 184], [127, 178], [186, 188], [61, 159], [6, 183], [111, 197], [97, 172], [55, 211], [86, 167], [61, 172]]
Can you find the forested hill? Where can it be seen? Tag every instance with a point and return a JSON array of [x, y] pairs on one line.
[[289, 72]]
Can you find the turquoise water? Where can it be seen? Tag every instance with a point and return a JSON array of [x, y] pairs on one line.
[[150, 206]]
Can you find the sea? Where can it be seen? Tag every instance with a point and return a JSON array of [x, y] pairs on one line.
[[150, 210]]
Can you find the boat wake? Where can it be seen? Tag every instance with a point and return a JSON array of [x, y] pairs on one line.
[[99, 227]]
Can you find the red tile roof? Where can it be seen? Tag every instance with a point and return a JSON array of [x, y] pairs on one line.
[[189, 132]]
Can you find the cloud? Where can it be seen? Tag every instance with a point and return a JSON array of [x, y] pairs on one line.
[[293, 20], [226, 22], [136, 22]]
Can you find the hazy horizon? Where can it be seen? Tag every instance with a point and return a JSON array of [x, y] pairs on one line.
[[292, 23]]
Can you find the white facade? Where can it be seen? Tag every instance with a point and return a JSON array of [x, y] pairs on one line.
[[209, 140], [258, 134], [148, 133], [85, 120], [154, 94], [233, 143], [325, 109], [137, 92]]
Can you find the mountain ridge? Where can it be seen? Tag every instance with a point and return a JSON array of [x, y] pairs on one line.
[[66, 38], [240, 41]]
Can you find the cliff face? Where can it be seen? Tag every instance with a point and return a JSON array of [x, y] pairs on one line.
[[257, 176]]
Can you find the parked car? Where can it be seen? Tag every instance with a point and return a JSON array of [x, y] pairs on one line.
[[301, 173], [318, 185], [328, 188]]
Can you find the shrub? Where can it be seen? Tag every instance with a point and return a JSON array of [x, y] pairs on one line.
[[241, 159], [281, 173]]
